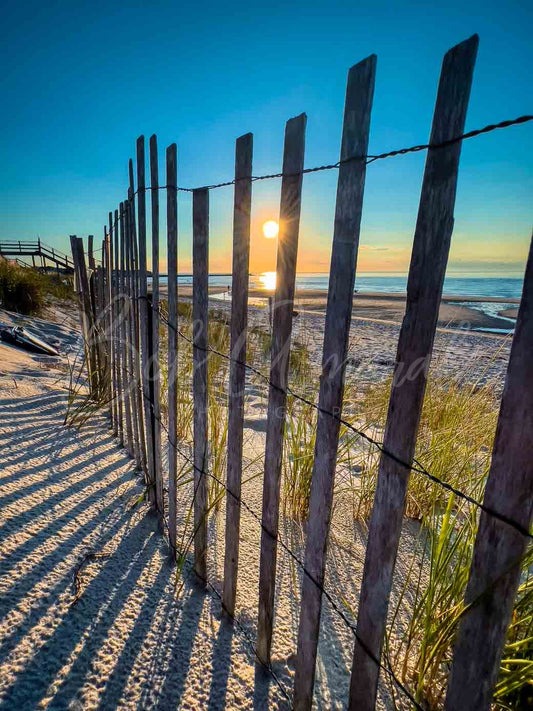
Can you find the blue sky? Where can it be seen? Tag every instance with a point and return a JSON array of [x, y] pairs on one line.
[[81, 81]]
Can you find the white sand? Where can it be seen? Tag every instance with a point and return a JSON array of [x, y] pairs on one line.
[[130, 640]]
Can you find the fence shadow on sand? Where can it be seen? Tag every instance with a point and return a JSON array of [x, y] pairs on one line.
[[90, 615]]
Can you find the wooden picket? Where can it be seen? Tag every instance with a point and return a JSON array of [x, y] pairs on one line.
[[348, 211], [87, 312], [130, 335], [424, 289], [108, 242], [155, 395], [238, 326], [155, 486], [136, 338], [117, 331], [172, 332], [90, 252], [124, 335], [200, 268], [289, 226], [499, 548]]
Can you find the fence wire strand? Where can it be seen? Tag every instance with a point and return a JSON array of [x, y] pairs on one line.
[[369, 158]]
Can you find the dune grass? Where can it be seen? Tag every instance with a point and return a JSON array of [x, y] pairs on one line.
[[25, 290], [433, 596], [454, 441]]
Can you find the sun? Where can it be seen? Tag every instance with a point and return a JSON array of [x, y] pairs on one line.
[[270, 229]]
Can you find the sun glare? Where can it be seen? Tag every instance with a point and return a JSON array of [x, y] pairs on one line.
[[270, 229], [268, 280]]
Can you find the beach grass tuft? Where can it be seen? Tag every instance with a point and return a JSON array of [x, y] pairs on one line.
[[24, 290]]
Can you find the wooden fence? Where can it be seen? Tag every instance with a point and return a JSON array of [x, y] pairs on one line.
[[121, 322]]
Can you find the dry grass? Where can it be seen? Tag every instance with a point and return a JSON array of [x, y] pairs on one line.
[[24, 290]]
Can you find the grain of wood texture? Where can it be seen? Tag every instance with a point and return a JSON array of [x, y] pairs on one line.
[[499, 548], [111, 286], [87, 316], [104, 321], [133, 324], [155, 378], [348, 211], [200, 262], [289, 224], [117, 328], [136, 341], [101, 333], [155, 491], [130, 338], [137, 330], [172, 269], [130, 343], [242, 206], [90, 252], [97, 338], [77, 287], [82, 305], [124, 340], [108, 251], [424, 289]]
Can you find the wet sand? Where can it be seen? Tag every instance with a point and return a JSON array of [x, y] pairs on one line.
[[389, 308]]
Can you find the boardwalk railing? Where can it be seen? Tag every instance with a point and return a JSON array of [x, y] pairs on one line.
[[43, 252], [121, 320]]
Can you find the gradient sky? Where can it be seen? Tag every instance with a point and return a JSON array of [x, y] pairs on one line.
[[80, 81]]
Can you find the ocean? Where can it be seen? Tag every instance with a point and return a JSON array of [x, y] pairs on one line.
[[478, 286], [489, 286]]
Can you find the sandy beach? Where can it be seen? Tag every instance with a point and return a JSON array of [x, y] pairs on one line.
[[93, 614], [461, 312]]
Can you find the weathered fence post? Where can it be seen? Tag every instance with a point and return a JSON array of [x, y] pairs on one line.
[[81, 306], [117, 319], [136, 329], [424, 289], [101, 318], [172, 269], [110, 325], [90, 252], [126, 308], [289, 225], [87, 313], [499, 548], [155, 486], [239, 320], [200, 211], [155, 375], [348, 211], [97, 285], [132, 384]]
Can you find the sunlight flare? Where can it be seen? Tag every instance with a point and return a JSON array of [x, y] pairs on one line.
[[270, 229]]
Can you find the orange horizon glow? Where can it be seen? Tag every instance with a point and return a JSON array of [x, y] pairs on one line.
[[388, 253]]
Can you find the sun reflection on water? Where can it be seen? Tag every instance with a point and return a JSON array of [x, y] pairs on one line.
[[268, 280]]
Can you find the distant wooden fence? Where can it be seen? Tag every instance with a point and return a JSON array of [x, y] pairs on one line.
[[121, 322]]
